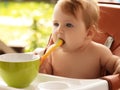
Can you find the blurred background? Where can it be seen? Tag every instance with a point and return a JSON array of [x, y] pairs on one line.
[[26, 24]]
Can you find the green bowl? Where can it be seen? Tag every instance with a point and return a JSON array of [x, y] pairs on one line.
[[19, 69]]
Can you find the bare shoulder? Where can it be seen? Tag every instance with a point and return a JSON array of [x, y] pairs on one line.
[[101, 47], [103, 51]]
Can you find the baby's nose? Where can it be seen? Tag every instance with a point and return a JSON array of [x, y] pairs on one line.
[[60, 30]]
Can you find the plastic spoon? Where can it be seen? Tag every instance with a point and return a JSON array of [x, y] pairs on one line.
[[52, 48]]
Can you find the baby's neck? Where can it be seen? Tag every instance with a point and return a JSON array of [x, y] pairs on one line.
[[80, 49]]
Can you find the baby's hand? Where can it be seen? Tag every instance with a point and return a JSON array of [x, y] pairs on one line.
[[39, 51]]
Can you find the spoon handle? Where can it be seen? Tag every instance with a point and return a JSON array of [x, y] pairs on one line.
[[52, 48]]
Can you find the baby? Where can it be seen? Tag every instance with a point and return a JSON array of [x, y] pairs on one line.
[[75, 22]]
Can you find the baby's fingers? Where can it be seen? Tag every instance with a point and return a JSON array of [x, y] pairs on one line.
[[39, 51]]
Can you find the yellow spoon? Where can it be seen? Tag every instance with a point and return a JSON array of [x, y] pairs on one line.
[[52, 48]]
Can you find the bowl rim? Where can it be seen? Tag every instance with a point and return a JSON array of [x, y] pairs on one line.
[[35, 57]]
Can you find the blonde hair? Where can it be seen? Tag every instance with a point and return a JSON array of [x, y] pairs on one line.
[[89, 9]]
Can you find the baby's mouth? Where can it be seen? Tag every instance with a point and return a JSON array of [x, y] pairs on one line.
[[63, 41]]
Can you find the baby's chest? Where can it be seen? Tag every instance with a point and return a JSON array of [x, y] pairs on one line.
[[77, 64], [80, 60], [82, 66]]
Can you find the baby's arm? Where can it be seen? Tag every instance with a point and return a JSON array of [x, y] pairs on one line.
[[117, 66], [110, 61], [46, 67], [114, 62]]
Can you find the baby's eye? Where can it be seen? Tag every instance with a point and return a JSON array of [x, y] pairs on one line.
[[55, 24], [69, 25]]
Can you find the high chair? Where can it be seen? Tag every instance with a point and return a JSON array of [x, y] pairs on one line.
[[5, 48], [109, 25], [109, 35]]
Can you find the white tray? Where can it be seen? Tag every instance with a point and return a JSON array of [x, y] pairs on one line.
[[50, 82]]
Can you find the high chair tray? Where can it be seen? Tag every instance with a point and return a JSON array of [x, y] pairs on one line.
[[50, 82]]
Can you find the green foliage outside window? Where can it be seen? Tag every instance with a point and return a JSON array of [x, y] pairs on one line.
[[38, 33]]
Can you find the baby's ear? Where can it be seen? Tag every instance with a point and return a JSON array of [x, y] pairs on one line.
[[91, 31]]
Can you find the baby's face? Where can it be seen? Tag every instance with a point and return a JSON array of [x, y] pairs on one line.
[[72, 30]]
